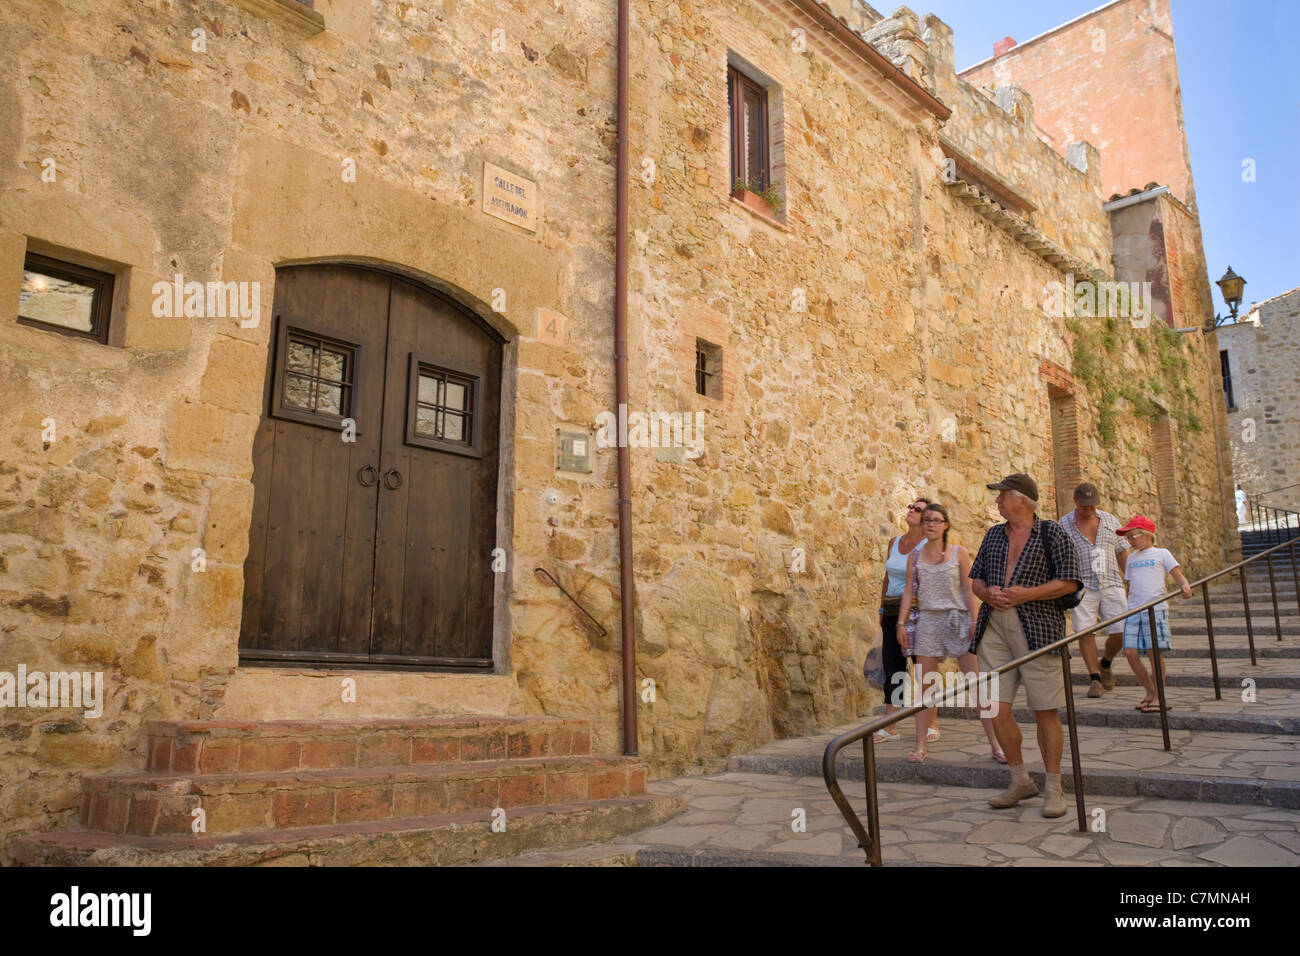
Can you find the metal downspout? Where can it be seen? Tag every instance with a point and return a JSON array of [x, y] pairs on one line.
[[627, 588]]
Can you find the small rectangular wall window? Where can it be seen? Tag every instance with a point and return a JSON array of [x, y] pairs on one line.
[[1226, 369], [708, 369], [66, 298]]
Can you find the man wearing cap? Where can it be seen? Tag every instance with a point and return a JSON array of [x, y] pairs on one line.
[[1101, 554], [1023, 567]]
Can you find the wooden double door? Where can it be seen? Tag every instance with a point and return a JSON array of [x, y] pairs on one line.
[[375, 477]]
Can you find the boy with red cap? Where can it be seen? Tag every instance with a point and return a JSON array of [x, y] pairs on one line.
[[1145, 573]]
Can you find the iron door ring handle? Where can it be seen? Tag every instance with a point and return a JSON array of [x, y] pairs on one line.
[[392, 479], [374, 475]]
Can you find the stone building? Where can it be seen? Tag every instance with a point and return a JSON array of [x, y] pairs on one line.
[[1259, 357], [343, 454], [1111, 76]]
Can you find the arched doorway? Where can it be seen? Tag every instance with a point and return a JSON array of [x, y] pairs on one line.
[[371, 546]]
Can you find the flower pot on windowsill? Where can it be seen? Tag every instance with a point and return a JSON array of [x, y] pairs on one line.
[[755, 202]]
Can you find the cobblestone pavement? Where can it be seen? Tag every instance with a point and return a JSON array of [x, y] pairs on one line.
[[735, 816]]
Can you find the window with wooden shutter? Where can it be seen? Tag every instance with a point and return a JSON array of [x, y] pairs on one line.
[[750, 149]]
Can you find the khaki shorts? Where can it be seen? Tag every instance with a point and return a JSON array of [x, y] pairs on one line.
[[1099, 606], [1003, 642]]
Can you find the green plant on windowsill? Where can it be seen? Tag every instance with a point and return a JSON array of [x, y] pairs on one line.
[[771, 195]]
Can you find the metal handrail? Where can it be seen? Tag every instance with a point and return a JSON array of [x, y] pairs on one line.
[[1276, 520], [1275, 490], [551, 578], [869, 837]]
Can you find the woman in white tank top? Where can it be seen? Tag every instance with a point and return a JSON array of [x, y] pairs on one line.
[[938, 581]]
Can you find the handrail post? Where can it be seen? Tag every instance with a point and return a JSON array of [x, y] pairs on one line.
[[1074, 739], [1295, 577], [1272, 587], [873, 799], [1209, 629], [1250, 628], [1160, 679]]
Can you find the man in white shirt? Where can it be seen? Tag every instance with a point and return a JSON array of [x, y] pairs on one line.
[[1101, 559]]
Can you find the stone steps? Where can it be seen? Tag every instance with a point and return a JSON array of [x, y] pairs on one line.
[[1230, 643], [1233, 652], [1234, 622], [1123, 715], [320, 791], [1257, 589], [446, 840], [1202, 677], [1230, 768]]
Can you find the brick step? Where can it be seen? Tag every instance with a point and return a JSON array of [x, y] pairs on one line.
[[205, 747], [156, 804], [444, 840]]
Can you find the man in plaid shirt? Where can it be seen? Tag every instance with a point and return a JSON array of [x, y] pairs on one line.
[[1022, 568]]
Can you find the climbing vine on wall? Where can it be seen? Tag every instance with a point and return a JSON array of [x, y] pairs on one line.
[[1098, 346]]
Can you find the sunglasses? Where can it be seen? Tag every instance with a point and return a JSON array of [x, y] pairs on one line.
[[917, 509]]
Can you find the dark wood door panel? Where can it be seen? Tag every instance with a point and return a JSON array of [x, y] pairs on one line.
[[375, 551], [433, 579], [313, 538]]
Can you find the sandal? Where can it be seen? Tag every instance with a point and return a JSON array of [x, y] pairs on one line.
[[883, 736], [1153, 708], [917, 756], [932, 735], [999, 756]]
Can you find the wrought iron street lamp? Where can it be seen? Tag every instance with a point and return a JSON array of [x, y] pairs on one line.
[[1231, 286]]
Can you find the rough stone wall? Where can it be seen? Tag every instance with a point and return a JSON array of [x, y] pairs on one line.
[[1264, 425], [1111, 78], [881, 340]]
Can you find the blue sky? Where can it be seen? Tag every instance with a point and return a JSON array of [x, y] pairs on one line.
[[1241, 99]]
